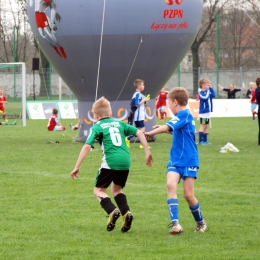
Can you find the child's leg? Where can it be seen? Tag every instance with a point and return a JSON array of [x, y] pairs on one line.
[[205, 134], [108, 206], [173, 179], [202, 130], [121, 202], [104, 200], [188, 186], [120, 198]]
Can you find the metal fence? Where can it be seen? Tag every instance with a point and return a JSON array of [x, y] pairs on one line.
[[223, 77], [47, 85]]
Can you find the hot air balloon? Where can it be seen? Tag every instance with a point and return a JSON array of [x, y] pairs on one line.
[[99, 47]]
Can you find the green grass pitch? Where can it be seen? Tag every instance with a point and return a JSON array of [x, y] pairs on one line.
[[44, 214]]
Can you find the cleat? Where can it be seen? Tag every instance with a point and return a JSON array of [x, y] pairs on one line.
[[113, 216], [71, 127], [14, 123], [201, 227], [127, 142], [201, 143], [176, 228], [127, 221], [206, 143], [6, 120]]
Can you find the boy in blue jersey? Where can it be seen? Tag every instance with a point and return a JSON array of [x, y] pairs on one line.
[[184, 159], [206, 93], [137, 110], [115, 162]]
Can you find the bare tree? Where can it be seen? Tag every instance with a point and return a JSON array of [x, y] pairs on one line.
[[238, 41], [16, 38], [207, 29]]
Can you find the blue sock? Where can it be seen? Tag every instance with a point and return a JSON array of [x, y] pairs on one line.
[[205, 137], [130, 137], [195, 210], [201, 134], [173, 209]]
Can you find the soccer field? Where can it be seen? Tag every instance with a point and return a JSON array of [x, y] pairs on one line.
[[46, 215]]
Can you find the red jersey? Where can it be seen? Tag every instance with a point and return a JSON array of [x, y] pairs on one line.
[[161, 99], [52, 122], [253, 98], [2, 98]]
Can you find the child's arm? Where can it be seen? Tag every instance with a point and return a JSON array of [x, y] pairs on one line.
[[83, 153], [148, 155], [158, 130]]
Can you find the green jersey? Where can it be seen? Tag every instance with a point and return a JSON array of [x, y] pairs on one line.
[[111, 135]]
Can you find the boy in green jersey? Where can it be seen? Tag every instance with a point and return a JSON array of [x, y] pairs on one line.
[[115, 164]]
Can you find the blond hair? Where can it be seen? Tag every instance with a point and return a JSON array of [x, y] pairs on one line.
[[203, 81], [180, 94], [138, 82], [102, 107]]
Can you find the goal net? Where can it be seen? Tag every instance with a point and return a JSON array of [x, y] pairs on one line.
[[13, 84]]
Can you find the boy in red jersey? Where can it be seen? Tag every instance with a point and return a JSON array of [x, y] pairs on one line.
[[54, 122], [253, 99], [161, 103], [2, 102]]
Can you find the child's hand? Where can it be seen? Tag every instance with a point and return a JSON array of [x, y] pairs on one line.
[[149, 160], [74, 174], [148, 136]]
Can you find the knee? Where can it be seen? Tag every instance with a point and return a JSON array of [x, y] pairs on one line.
[[189, 196], [116, 189], [170, 186]]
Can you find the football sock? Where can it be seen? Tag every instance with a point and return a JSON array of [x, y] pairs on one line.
[[173, 209], [107, 205], [201, 135], [121, 202], [195, 210], [205, 137], [130, 137]]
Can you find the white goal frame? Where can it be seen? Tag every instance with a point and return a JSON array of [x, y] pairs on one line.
[[22, 64]]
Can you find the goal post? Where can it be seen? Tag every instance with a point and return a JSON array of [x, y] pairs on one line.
[[22, 65]]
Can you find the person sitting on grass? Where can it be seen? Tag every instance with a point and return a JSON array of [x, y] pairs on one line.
[[116, 162], [7, 123], [54, 122]]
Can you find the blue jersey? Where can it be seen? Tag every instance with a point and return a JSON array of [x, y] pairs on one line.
[[184, 152], [206, 104]]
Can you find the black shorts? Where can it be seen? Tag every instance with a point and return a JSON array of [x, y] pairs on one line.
[[204, 121], [106, 176]]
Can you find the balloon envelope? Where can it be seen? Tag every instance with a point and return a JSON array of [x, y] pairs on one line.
[[100, 47]]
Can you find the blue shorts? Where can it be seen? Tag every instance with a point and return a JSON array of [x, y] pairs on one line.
[[191, 172], [253, 106], [139, 124]]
